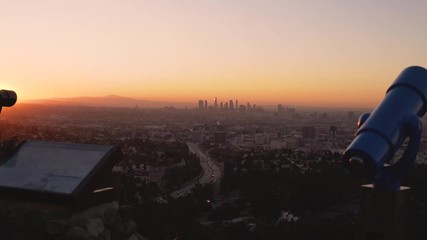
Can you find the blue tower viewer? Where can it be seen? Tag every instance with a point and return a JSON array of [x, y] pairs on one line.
[[382, 132]]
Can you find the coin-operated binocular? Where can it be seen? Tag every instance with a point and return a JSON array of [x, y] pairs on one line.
[[7, 98], [382, 132]]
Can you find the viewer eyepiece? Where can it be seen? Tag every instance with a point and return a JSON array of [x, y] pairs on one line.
[[356, 164], [7, 98]]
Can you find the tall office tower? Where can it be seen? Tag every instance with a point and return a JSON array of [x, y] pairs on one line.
[[226, 105], [237, 104], [333, 132], [200, 104], [220, 134], [221, 105], [248, 106], [231, 105], [206, 104], [280, 108], [215, 102]]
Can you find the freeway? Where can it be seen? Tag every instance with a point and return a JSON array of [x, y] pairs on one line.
[[211, 172]]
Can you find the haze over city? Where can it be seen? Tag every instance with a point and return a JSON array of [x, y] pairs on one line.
[[322, 53], [213, 119]]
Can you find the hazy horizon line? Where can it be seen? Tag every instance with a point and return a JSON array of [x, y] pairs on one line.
[[182, 104]]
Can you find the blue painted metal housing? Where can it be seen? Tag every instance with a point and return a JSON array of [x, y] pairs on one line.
[[382, 132]]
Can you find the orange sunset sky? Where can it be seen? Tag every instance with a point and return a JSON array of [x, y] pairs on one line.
[[341, 53]]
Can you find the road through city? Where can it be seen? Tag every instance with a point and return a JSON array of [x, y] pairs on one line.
[[211, 172]]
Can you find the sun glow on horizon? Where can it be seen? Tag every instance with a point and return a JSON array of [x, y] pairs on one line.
[[292, 52]]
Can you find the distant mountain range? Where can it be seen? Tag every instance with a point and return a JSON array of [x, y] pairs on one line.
[[111, 101]]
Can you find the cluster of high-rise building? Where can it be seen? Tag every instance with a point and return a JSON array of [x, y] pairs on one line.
[[203, 104], [283, 109], [227, 105]]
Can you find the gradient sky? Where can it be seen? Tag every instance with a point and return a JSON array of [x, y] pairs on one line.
[[319, 53]]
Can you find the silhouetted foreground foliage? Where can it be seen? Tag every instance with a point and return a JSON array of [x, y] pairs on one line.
[[417, 180], [322, 200], [173, 221]]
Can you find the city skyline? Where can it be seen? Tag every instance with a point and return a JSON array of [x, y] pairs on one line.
[[226, 105], [208, 103], [329, 53]]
